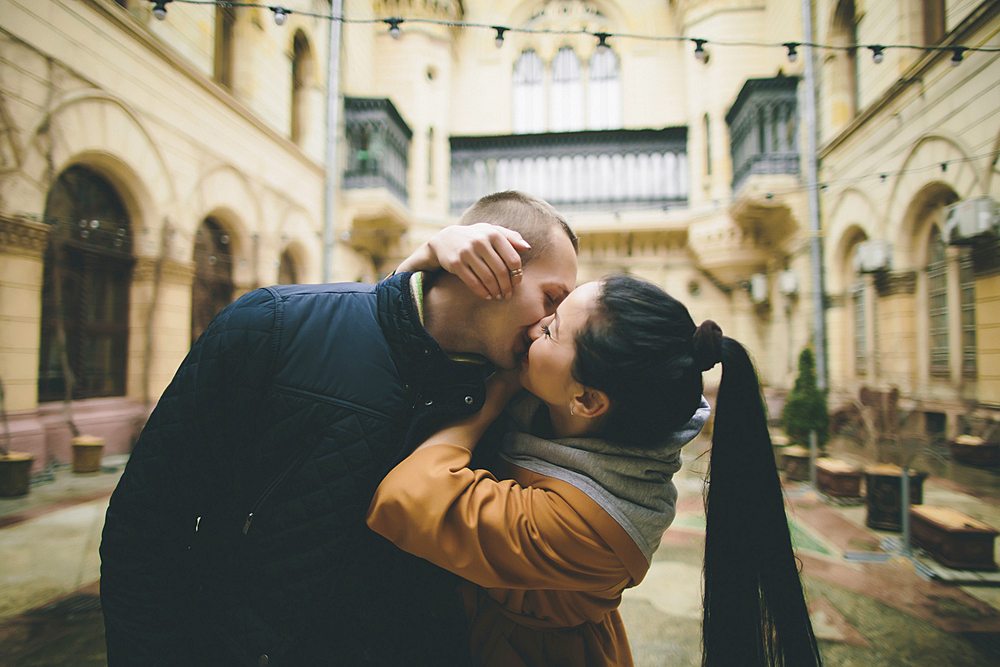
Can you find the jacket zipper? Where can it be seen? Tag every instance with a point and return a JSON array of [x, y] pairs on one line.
[[270, 489]]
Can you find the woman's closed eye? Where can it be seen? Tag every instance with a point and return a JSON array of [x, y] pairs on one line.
[[545, 330]]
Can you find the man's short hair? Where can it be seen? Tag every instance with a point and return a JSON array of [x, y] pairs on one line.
[[533, 218]]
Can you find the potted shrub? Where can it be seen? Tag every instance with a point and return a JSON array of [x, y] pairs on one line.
[[805, 407], [15, 467]]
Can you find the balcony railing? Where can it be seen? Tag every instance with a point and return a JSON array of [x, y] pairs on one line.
[[764, 129], [378, 144], [575, 171]]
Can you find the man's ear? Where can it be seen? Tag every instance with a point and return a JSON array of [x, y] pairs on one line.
[[591, 403]]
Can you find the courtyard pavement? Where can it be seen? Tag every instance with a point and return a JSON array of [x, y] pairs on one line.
[[869, 614]]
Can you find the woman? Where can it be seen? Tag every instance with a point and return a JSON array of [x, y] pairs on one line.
[[574, 514]]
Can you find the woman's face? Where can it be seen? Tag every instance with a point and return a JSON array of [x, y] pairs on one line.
[[546, 370]]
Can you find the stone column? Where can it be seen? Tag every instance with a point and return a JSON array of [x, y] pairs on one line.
[[897, 328], [22, 256], [158, 340], [22, 252]]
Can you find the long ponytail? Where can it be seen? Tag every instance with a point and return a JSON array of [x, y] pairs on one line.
[[754, 608]]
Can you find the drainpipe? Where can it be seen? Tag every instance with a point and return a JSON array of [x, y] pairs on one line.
[[332, 184]]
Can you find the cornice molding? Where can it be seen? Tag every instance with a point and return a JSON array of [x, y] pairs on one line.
[[26, 238]]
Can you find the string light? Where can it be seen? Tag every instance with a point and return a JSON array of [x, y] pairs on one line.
[[394, 27], [699, 49], [878, 50], [602, 44], [160, 9], [280, 15]]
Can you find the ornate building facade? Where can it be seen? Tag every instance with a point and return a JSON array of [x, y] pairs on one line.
[[197, 144]]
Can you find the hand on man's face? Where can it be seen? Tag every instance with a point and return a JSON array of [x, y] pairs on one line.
[[548, 278]]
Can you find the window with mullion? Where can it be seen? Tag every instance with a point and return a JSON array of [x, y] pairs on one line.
[[967, 286], [860, 328], [89, 253], [937, 305], [529, 113]]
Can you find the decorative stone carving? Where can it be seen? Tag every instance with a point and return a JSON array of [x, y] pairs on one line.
[[19, 236], [891, 283], [173, 271]]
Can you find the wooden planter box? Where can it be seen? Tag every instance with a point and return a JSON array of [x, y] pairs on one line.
[[974, 451], [953, 538], [796, 463], [883, 495], [15, 474], [779, 443], [838, 478], [87, 452]]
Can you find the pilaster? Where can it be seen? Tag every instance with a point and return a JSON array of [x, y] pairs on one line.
[[22, 251]]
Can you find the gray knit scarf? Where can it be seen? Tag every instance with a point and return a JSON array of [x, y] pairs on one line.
[[633, 485]]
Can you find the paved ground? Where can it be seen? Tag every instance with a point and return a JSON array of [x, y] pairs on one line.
[[865, 614]]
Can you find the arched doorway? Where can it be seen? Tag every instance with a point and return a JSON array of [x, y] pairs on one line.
[[85, 289], [212, 289], [288, 271]]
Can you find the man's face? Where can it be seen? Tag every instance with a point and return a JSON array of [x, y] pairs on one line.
[[548, 278]]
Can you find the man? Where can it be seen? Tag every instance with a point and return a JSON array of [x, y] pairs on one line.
[[236, 535]]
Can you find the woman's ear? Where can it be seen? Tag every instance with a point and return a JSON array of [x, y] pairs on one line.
[[590, 403]]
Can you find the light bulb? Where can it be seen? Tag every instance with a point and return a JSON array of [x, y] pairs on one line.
[[499, 39], [280, 15], [602, 44], [793, 54], [877, 55]]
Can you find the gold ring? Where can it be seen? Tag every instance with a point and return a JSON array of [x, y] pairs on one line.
[[516, 272]]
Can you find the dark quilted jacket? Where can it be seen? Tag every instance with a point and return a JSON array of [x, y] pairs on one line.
[[236, 534]]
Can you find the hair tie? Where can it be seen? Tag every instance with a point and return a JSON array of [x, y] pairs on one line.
[[707, 341]]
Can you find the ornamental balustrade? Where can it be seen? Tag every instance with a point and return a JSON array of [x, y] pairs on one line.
[[378, 144], [575, 171], [764, 129]]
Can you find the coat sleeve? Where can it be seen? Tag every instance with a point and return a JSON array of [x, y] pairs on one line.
[[146, 581], [496, 534]]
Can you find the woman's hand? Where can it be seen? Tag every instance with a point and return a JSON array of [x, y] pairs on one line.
[[482, 255], [502, 386]]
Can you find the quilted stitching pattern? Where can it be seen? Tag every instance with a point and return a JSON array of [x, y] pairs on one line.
[[219, 436]]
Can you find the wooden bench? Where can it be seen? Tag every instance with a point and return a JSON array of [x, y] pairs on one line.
[[973, 450], [838, 478], [954, 539]]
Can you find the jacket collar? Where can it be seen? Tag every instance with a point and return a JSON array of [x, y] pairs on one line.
[[422, 361]]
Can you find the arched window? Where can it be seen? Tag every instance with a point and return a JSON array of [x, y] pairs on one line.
[[967, 289], [288, 272], [225, 29], [844, 74], [860, 322], [708, 146], [934, 21], [301, 80], [566, 98], [604, 91], [212, 289], [529, 94], [85, 289], [937, 303]]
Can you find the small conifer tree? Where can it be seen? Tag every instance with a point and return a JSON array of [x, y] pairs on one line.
[[805, 408]]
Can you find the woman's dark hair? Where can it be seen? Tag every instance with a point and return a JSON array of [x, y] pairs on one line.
[[638, 348]]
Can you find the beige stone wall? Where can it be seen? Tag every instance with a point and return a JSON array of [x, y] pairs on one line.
[[916, 115], [133, 99]]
